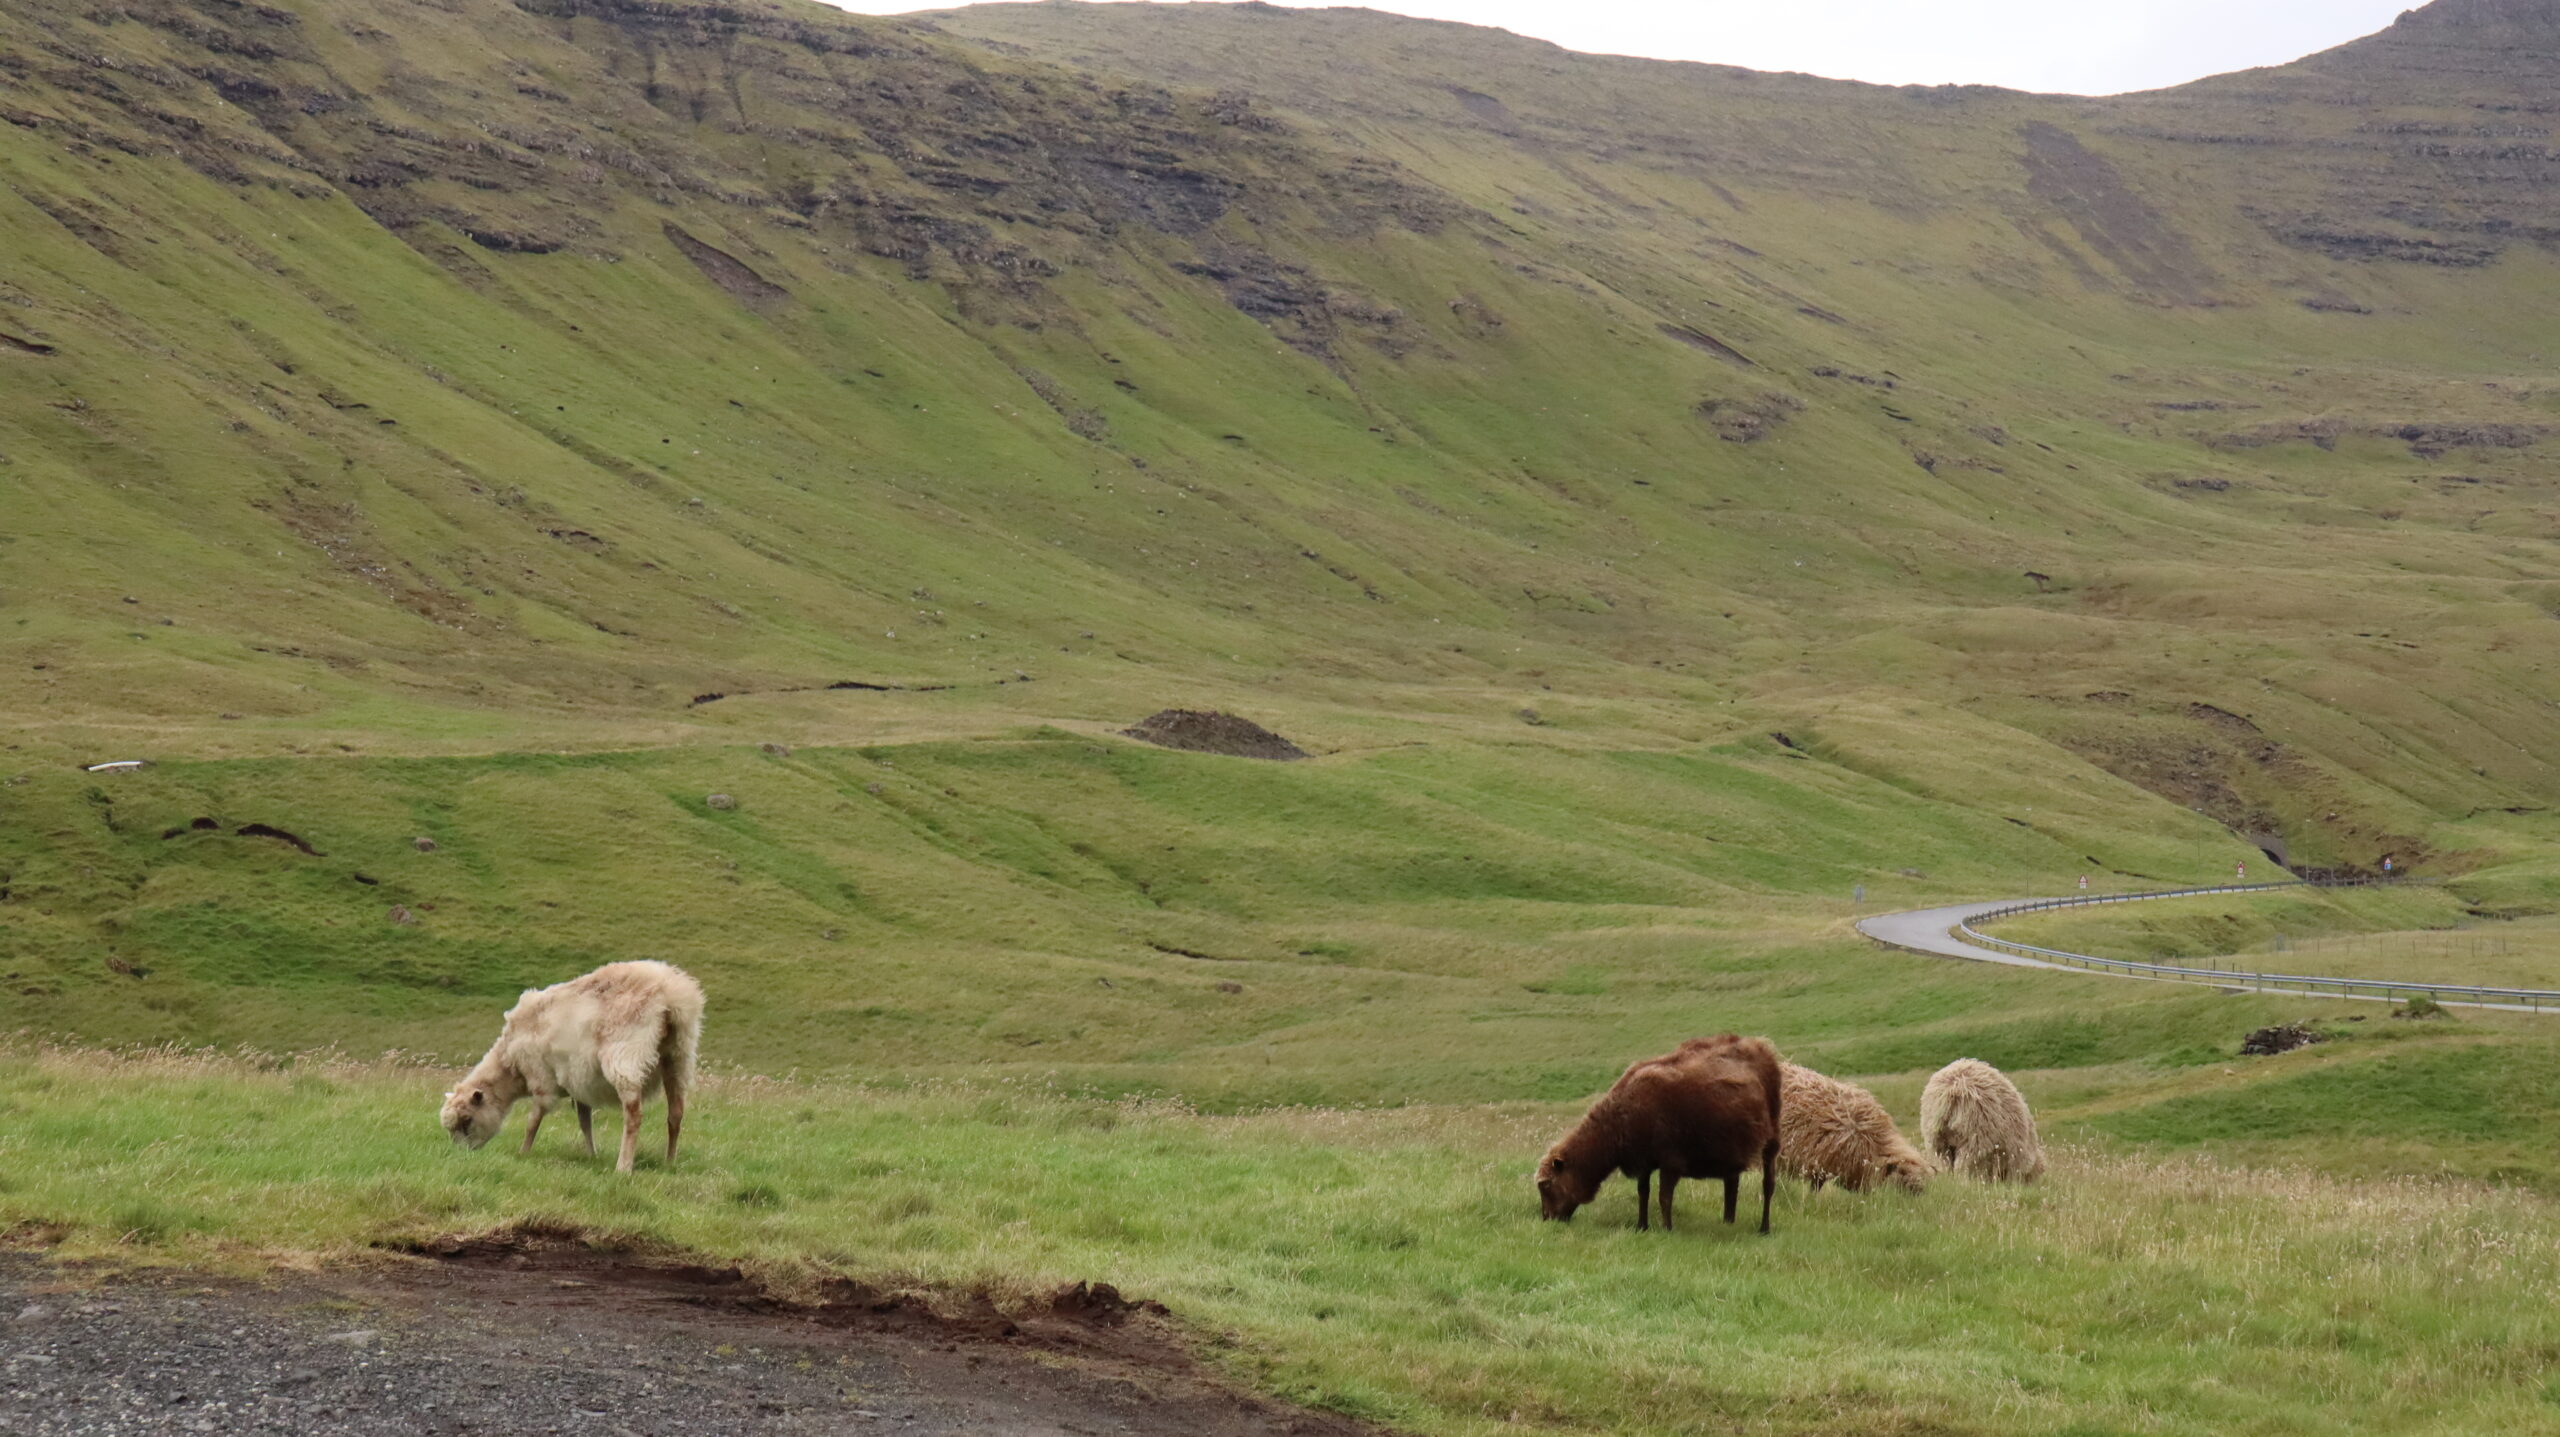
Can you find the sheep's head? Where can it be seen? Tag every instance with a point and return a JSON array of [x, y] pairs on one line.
[[1909, 1171], [472, 1114], [1560, 1188]]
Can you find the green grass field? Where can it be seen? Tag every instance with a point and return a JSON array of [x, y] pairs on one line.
[[1044, 900], [1390, 1263], [1276, 1045]]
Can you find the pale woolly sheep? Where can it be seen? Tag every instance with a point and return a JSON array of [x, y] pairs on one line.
[[1836, 1132], [1973, 1119], [621, 1034]]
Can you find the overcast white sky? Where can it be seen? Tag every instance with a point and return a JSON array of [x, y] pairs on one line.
[[2091, 47]]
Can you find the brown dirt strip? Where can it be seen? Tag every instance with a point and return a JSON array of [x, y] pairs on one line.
[[527, 1333]]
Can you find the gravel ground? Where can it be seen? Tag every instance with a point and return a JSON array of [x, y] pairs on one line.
[[567, 1342]]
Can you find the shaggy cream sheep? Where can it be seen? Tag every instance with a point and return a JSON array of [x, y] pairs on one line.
[[1836, 1132], [1976, 1122], [620, 1034]]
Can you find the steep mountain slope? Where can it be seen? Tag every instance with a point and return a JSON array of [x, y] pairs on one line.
[[2212, 350], [360, 295], [2430, 142], [1640, 484]]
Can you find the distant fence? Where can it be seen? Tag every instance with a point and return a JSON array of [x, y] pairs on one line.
[[2532, 999]]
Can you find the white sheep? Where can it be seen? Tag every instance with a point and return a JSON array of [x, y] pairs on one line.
[[1976, 1121], [617, 1035], [1831, 1131]]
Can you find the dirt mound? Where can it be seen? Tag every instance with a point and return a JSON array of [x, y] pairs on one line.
[[1199, 731], [2282, 1038], [1100, 1303]]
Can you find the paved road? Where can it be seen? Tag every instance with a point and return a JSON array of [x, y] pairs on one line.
[[1932, 930]]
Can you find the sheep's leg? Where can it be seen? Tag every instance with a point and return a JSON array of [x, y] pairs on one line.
[[1768, 1181], [630, 1134], [532, 1125], [675, 1109], [1644, 1201], [587, 1126], [1732, 1194], [1669, 1181]]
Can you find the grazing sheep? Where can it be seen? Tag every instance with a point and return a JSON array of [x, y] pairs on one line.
[[1709, 1110], [1976, 1122], [1836, 1132], [617, 1035]]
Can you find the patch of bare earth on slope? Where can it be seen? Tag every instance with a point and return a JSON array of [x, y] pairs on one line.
[[2111, 217], [1199, 731], [537, 1331]]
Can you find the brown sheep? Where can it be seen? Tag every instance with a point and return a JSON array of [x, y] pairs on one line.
[[1708, 1110], [1833, 1131], [621, 1034], [1976, 1122]]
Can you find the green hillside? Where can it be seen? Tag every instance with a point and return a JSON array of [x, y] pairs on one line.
[[542, 482], [486, 376], [510, 424], [1670, 511]]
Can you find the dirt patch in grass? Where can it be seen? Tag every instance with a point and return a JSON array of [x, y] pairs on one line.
[[559, 1335], [1748, 421], [1121, 1356], [725, 269], [2282, 1038], [2111, 217], [1697, 338], [2198, 776], [1200, 731], [269, 830]]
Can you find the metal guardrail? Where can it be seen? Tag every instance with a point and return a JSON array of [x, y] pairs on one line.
[[2388, 990]]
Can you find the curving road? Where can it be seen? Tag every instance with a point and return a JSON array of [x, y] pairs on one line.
[[1934, 931]]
